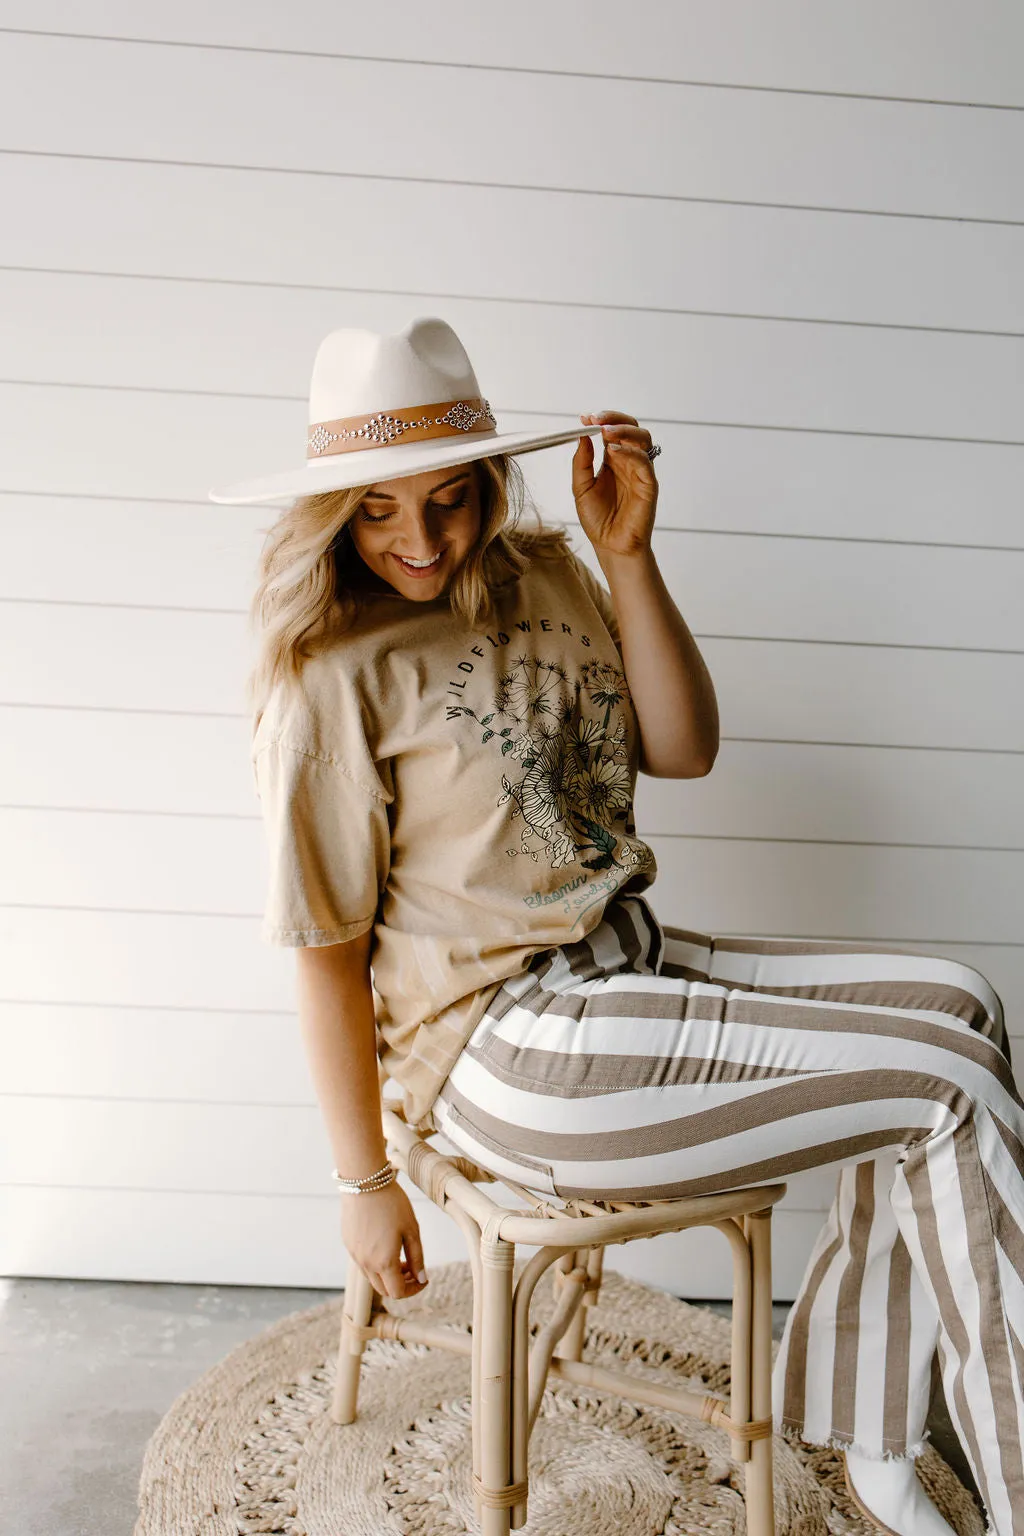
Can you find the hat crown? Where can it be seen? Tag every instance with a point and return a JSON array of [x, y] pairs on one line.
[[357, 371]]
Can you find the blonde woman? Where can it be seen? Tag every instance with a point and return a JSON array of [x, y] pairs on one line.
[[449, 714]]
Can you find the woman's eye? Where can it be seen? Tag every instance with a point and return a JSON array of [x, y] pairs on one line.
[[440, 506]]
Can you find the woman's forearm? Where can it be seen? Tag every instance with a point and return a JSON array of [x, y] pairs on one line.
[[336, 1016], [672, 691]]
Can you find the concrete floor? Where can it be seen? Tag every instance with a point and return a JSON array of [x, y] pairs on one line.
[[90, 1367]]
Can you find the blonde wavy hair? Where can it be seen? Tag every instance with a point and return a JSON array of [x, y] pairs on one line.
[[311, 580]]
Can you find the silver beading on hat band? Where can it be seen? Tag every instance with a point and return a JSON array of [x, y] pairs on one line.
[[447, 418]]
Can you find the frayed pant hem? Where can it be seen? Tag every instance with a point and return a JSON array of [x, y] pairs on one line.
[[790, 1429]]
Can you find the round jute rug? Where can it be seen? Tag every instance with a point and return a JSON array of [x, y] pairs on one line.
[[250, 1447]]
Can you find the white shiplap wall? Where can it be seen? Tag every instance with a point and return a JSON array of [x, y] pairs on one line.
[[788, 237]]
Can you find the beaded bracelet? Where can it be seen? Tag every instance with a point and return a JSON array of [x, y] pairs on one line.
[[366, 1186]]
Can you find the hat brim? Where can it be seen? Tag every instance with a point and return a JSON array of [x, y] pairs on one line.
[[367, 466]]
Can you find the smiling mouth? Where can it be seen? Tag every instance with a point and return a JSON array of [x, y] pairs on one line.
[[428, 566]]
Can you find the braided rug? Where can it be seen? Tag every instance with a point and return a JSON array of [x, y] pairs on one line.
[[250, 1448]]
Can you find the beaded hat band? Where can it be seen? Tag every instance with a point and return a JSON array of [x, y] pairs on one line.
[[447, 418], [355, 370]]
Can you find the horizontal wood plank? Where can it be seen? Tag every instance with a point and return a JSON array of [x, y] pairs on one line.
[[799, 589], [232, 1056], [774, 691], [248, 1153], [767, 690], [787, 691], [217, 965], [196, 765], [250, 1149], [724, 481], [777, 588], [879, 795], [681, 256], [126, 761], [776, 147], [144, 657], [104, 1050], [796, 45], [818, 889], [101, 1051], [147, 865], [238, 340], [192, 1146]]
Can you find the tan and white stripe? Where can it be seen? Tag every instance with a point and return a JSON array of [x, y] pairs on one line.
[[646, 1061]]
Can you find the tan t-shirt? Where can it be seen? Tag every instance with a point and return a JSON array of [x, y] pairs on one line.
[[466, 792]]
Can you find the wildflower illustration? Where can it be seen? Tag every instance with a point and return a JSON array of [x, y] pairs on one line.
[[572, 783]]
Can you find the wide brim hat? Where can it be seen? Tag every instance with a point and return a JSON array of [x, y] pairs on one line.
[[384, 406]]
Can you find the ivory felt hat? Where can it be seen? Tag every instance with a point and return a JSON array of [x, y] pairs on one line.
[[385, 406]]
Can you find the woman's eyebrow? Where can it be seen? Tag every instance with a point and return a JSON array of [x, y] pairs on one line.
[[385, 496]]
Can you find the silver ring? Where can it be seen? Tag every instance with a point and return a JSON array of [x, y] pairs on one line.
[[653, 451]]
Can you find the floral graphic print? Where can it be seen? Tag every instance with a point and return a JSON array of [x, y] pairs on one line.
[[567, 762]]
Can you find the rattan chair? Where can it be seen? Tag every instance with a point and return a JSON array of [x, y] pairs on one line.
[[508, 1377]]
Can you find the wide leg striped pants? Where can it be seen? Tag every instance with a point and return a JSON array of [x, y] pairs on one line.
[[646, 1062]]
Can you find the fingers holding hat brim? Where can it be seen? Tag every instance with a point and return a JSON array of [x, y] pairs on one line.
[[371, 465]]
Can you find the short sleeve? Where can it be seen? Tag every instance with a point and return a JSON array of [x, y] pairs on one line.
[[328, 846], [600, 595]]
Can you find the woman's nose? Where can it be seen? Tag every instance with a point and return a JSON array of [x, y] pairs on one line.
[[420, 532]]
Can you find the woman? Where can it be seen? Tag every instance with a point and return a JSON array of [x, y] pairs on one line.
[[450, 712]]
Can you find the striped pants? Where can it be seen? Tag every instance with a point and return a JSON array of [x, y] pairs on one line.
[[651, 1062]]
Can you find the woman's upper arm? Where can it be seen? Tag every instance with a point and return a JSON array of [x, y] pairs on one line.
[[348, 959], [335, 979]]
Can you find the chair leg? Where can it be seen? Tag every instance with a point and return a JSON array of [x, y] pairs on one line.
[[759, 1485], [742, 1330], [595, 1269], [495, 1381], [476, 1376], [570, 1345], [357, 1312]]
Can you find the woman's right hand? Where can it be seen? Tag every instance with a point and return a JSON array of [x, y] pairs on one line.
[[374, 1228]]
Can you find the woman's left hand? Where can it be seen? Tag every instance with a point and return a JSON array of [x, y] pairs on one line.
[[616, 506]]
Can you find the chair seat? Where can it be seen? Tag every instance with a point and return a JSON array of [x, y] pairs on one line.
[[510, 1368]]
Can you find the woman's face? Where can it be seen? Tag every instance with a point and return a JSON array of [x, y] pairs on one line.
[[418, 517]]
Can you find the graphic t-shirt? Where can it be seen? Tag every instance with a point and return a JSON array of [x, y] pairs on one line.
[[466, 792]]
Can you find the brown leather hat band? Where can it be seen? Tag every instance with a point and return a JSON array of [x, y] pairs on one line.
[[448, 418]]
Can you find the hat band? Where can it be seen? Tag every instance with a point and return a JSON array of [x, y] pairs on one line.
[[445, 419]]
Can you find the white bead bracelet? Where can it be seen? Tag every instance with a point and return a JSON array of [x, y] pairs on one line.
[[367, 1185]]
